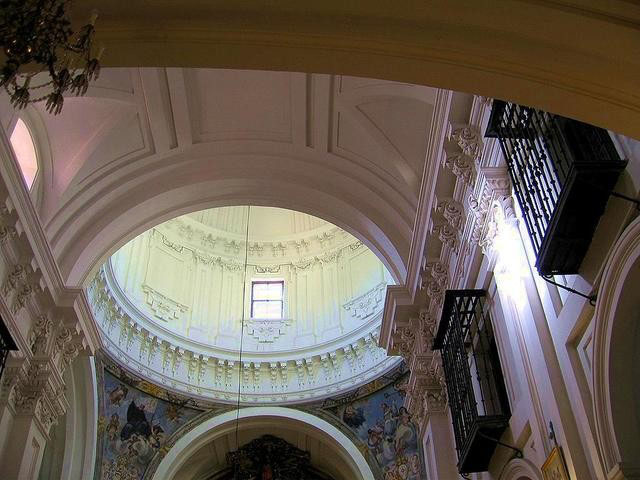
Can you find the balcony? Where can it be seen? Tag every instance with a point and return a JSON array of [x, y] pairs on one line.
[[475, 385], [563, 172], [6, 345]]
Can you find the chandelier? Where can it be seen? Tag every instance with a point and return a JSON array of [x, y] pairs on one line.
[[36, 38]]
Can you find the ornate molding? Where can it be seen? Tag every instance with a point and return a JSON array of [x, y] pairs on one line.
[[460, 164], [367, 304], [493, 184], [39, 312], [163, 307], [210, 373], [434, 281], [213, 241], [426, 394], [267, 330], [452, 211], [467, 138]]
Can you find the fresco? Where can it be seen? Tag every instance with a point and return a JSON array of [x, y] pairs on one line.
[[383, 424], [139, 422], [133, 426]]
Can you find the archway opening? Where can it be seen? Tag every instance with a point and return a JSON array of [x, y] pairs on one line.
[[616, 354], [203, 450], [624, 365]]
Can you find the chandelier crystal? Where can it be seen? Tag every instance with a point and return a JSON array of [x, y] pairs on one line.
[[36, 37]]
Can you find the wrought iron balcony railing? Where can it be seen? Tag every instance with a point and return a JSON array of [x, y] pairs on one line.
[[475, 385], [563, 172], [6, 345]]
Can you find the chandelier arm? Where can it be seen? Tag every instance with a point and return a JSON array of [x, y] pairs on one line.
[[37, 35]]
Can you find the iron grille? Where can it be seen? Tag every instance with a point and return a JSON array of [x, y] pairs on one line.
[[475, 386], [6, 345], [562, 173]]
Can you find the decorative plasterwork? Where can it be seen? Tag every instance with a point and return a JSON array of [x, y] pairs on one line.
[[462, 152], [367, 304], [493, 186], [212, 373], [462, 225], [434, 281], [426, 394], [49, 336], [217, 243], [467, 138], [267, 330], [163, 307]]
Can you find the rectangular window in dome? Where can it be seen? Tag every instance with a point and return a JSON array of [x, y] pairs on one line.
[[267, 298]]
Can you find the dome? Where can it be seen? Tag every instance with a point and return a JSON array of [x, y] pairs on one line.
[[170, 304]]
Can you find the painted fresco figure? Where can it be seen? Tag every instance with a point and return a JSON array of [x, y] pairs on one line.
[[113, 427], [136, 423], [390, 415], [374, 441], [353, 416], [406, 438], [118, 394], [157, 436]]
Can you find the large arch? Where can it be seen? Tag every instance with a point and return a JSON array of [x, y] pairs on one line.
[[113, 209], [616, 358], [548, 54], [337, 446]]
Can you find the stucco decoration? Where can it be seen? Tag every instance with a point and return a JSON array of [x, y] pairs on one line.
[[170, 305]]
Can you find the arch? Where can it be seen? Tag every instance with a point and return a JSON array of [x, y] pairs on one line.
[[520, 469], [616, 357], [224, 423], [115, 208], [496, 49]]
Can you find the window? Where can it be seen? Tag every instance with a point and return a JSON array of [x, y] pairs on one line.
[[25, 152], [266, 299]]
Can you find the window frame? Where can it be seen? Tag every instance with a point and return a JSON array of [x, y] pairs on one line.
[[253, 300], [21, 122]]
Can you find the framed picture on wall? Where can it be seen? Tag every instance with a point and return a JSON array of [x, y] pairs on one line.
[[554, 467]]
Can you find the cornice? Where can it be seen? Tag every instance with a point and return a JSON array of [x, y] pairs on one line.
[[427, 188], [209, 372], [231, 254], [29, 221], [457, 227], [44, 317]]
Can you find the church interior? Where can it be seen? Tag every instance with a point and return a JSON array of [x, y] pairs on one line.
[[335, 241]]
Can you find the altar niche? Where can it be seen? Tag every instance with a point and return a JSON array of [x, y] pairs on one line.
[[270, 458]]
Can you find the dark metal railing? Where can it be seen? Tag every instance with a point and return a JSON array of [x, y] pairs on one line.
[[6, 345], [473, 375], [548, 155]]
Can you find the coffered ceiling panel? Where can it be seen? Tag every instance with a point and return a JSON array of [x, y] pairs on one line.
[[239, 105], [360, 143], [355, 140], [400, 121], [118, 79]]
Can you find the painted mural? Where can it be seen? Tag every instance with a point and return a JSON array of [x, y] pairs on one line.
[[133, 426], [380, 421], [139, 422]]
